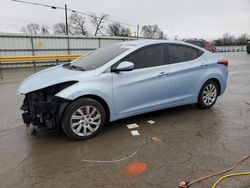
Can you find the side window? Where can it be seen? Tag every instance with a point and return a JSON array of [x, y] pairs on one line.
[[147, 57], [180, 53]]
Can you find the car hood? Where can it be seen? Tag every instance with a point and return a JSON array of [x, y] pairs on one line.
[[51, 76]]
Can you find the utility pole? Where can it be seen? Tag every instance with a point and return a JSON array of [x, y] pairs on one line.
[[66, 20], [66, 14]]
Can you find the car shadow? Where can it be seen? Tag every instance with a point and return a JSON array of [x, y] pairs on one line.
[[151, 116], [176, 111]]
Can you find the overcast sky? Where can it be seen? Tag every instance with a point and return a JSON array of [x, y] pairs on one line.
[[206, 19]]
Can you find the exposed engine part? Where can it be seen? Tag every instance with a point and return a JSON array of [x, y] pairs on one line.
[[43, 109]]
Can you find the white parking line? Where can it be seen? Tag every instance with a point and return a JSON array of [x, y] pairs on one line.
[[133, 126], [151, 122], [135, 133]]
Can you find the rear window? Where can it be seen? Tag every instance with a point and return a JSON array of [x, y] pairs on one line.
[[180, 53]]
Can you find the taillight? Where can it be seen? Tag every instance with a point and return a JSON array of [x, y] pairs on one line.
[[223, 62]]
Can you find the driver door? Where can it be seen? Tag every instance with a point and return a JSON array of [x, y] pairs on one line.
[[145, 88]]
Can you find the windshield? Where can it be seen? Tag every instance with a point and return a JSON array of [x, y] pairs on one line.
[[99, 57]]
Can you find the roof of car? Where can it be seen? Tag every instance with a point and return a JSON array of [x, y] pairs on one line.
[[150, 41]]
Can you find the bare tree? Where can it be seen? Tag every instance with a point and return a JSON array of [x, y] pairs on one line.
[[152, 31], [31, 28], [97, 22], [44, 30], [162, 35], [242, 40], [228, 39], [77, 24], [59, 28], [116, 29]]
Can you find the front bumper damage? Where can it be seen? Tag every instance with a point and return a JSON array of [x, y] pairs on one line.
[[43, 109], [39, 113]]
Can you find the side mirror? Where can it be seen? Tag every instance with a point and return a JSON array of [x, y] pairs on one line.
[[125, 66]]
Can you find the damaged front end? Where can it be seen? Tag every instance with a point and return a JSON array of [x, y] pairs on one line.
[[42, 108]]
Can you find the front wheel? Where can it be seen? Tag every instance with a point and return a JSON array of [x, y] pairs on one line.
[[208, 94], [83, 119]]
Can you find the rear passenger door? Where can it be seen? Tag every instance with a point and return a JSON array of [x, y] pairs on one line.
[[187, 68]]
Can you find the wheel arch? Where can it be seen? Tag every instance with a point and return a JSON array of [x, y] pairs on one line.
[[215, 80], [218, 84]]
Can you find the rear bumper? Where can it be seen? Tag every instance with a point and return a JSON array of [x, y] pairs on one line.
[[223, 88]]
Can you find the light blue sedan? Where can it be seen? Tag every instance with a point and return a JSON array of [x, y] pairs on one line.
[[120, 81]]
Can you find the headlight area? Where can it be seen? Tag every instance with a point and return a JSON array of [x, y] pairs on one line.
[[42, 108]]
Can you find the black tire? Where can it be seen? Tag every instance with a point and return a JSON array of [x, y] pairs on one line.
[[203, 103], [74, 109]]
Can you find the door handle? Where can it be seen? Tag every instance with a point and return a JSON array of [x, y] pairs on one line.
[[163, 74], [204, 65]]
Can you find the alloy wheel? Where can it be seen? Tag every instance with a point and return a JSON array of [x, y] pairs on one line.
[[209, 94], [85, 120]]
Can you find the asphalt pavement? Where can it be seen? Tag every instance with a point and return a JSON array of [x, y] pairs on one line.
[[183, 143]]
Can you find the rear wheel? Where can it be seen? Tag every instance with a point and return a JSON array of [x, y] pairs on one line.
[[83, 119], [208, 94]]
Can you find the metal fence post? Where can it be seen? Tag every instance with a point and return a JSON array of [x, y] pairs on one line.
[[1, 73], [99, 42], [32, 50], [68, 45]]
